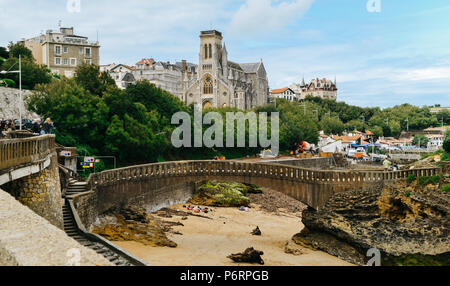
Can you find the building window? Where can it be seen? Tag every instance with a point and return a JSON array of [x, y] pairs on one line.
[[210, 51], [66, 62], [57, 61], [58, 50], [66, 50], [208, 86], [88, 52], [206, 51], [88, 62], [80, 50], [73, 62]]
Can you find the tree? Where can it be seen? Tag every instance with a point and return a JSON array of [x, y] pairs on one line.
[[90, 78], [4, 53], [420, 140], [332, 125], [32, 73], [377, 131], [19, 49]]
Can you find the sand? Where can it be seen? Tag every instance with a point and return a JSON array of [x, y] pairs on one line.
[[208, 242]]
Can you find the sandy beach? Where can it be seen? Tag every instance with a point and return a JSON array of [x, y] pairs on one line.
[[208, 241]]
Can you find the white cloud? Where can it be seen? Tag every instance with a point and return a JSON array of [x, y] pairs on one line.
[[261, 17]]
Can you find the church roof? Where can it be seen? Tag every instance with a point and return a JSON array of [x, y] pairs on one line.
[[250, 67], [234, 65]]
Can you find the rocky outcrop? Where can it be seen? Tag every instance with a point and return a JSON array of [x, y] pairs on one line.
[[9, 109], [221, 194], [408, 223], [131, 223]]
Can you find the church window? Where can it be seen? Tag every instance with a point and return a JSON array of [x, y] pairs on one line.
[[210, 51], [206, 51], [208, 86]]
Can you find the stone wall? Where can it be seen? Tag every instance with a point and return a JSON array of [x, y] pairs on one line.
[[9, 107], [26, 239], [41, 192], [150, 195], [86, 206]]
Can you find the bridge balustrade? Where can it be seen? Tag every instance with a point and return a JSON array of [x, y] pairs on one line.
[[17, 152]]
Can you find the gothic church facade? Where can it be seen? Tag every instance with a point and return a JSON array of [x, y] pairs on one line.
[[218, 82]]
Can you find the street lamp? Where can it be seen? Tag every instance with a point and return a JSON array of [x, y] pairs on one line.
[[20, 88]]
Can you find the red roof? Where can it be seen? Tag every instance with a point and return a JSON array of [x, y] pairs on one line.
[[280, 90], [147, 62]]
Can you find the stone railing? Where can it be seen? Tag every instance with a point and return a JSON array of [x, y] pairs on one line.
[[311, 186], [17, 152], [266, 170]]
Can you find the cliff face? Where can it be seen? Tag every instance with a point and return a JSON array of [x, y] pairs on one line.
[[402, 221], [9, 104]]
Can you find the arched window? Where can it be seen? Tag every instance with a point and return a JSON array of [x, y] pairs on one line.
[[208, 86], [210, 51], [206, 51]]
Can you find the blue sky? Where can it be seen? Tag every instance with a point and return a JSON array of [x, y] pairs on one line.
[[398, 55]]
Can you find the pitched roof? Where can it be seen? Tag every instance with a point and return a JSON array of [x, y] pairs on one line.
[[280, 90], [250, 67]]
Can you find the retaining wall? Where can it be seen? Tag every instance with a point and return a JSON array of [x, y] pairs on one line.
[[27, 239]]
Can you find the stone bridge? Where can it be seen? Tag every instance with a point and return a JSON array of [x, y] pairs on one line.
[[29, 172], [161, 184]]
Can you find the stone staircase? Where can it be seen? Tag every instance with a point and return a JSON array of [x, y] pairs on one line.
[[72, 230]]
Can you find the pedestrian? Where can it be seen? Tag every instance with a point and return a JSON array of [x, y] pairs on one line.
[[36, 128], [47, 126], [386, 164]]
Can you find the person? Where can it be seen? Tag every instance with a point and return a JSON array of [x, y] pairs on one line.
[[386, 164], [36, 128], [47, 126]]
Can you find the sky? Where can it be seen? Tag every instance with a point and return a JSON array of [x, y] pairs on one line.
[[381, 52]]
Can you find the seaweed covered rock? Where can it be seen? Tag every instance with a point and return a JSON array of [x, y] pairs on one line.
[[250, 255], [131, 223], [408, 223], [221, 194]]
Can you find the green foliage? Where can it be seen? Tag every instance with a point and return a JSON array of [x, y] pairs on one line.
[[434, 180], [4, 53], [411, 178], [32, 73], [8, 83], [19, 49], [331, 125], [446, 145], [445, 157], [421, 140], [90, 78], [446, 189]]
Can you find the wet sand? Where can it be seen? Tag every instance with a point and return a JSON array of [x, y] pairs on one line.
[[208, 242]]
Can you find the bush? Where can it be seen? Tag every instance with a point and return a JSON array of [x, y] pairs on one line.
[[445, 157], [447, 145], [9, 82], [429, 180], [446, 189], [411, 178]]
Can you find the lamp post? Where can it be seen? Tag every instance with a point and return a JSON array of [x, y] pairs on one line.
[[20, 88]]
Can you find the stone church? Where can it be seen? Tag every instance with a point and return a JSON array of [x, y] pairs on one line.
[[218, 82]]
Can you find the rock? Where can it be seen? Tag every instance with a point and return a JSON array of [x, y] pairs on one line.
[[400, 222], [221, 194], [292, 248], [250, 255], [256, 231]]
